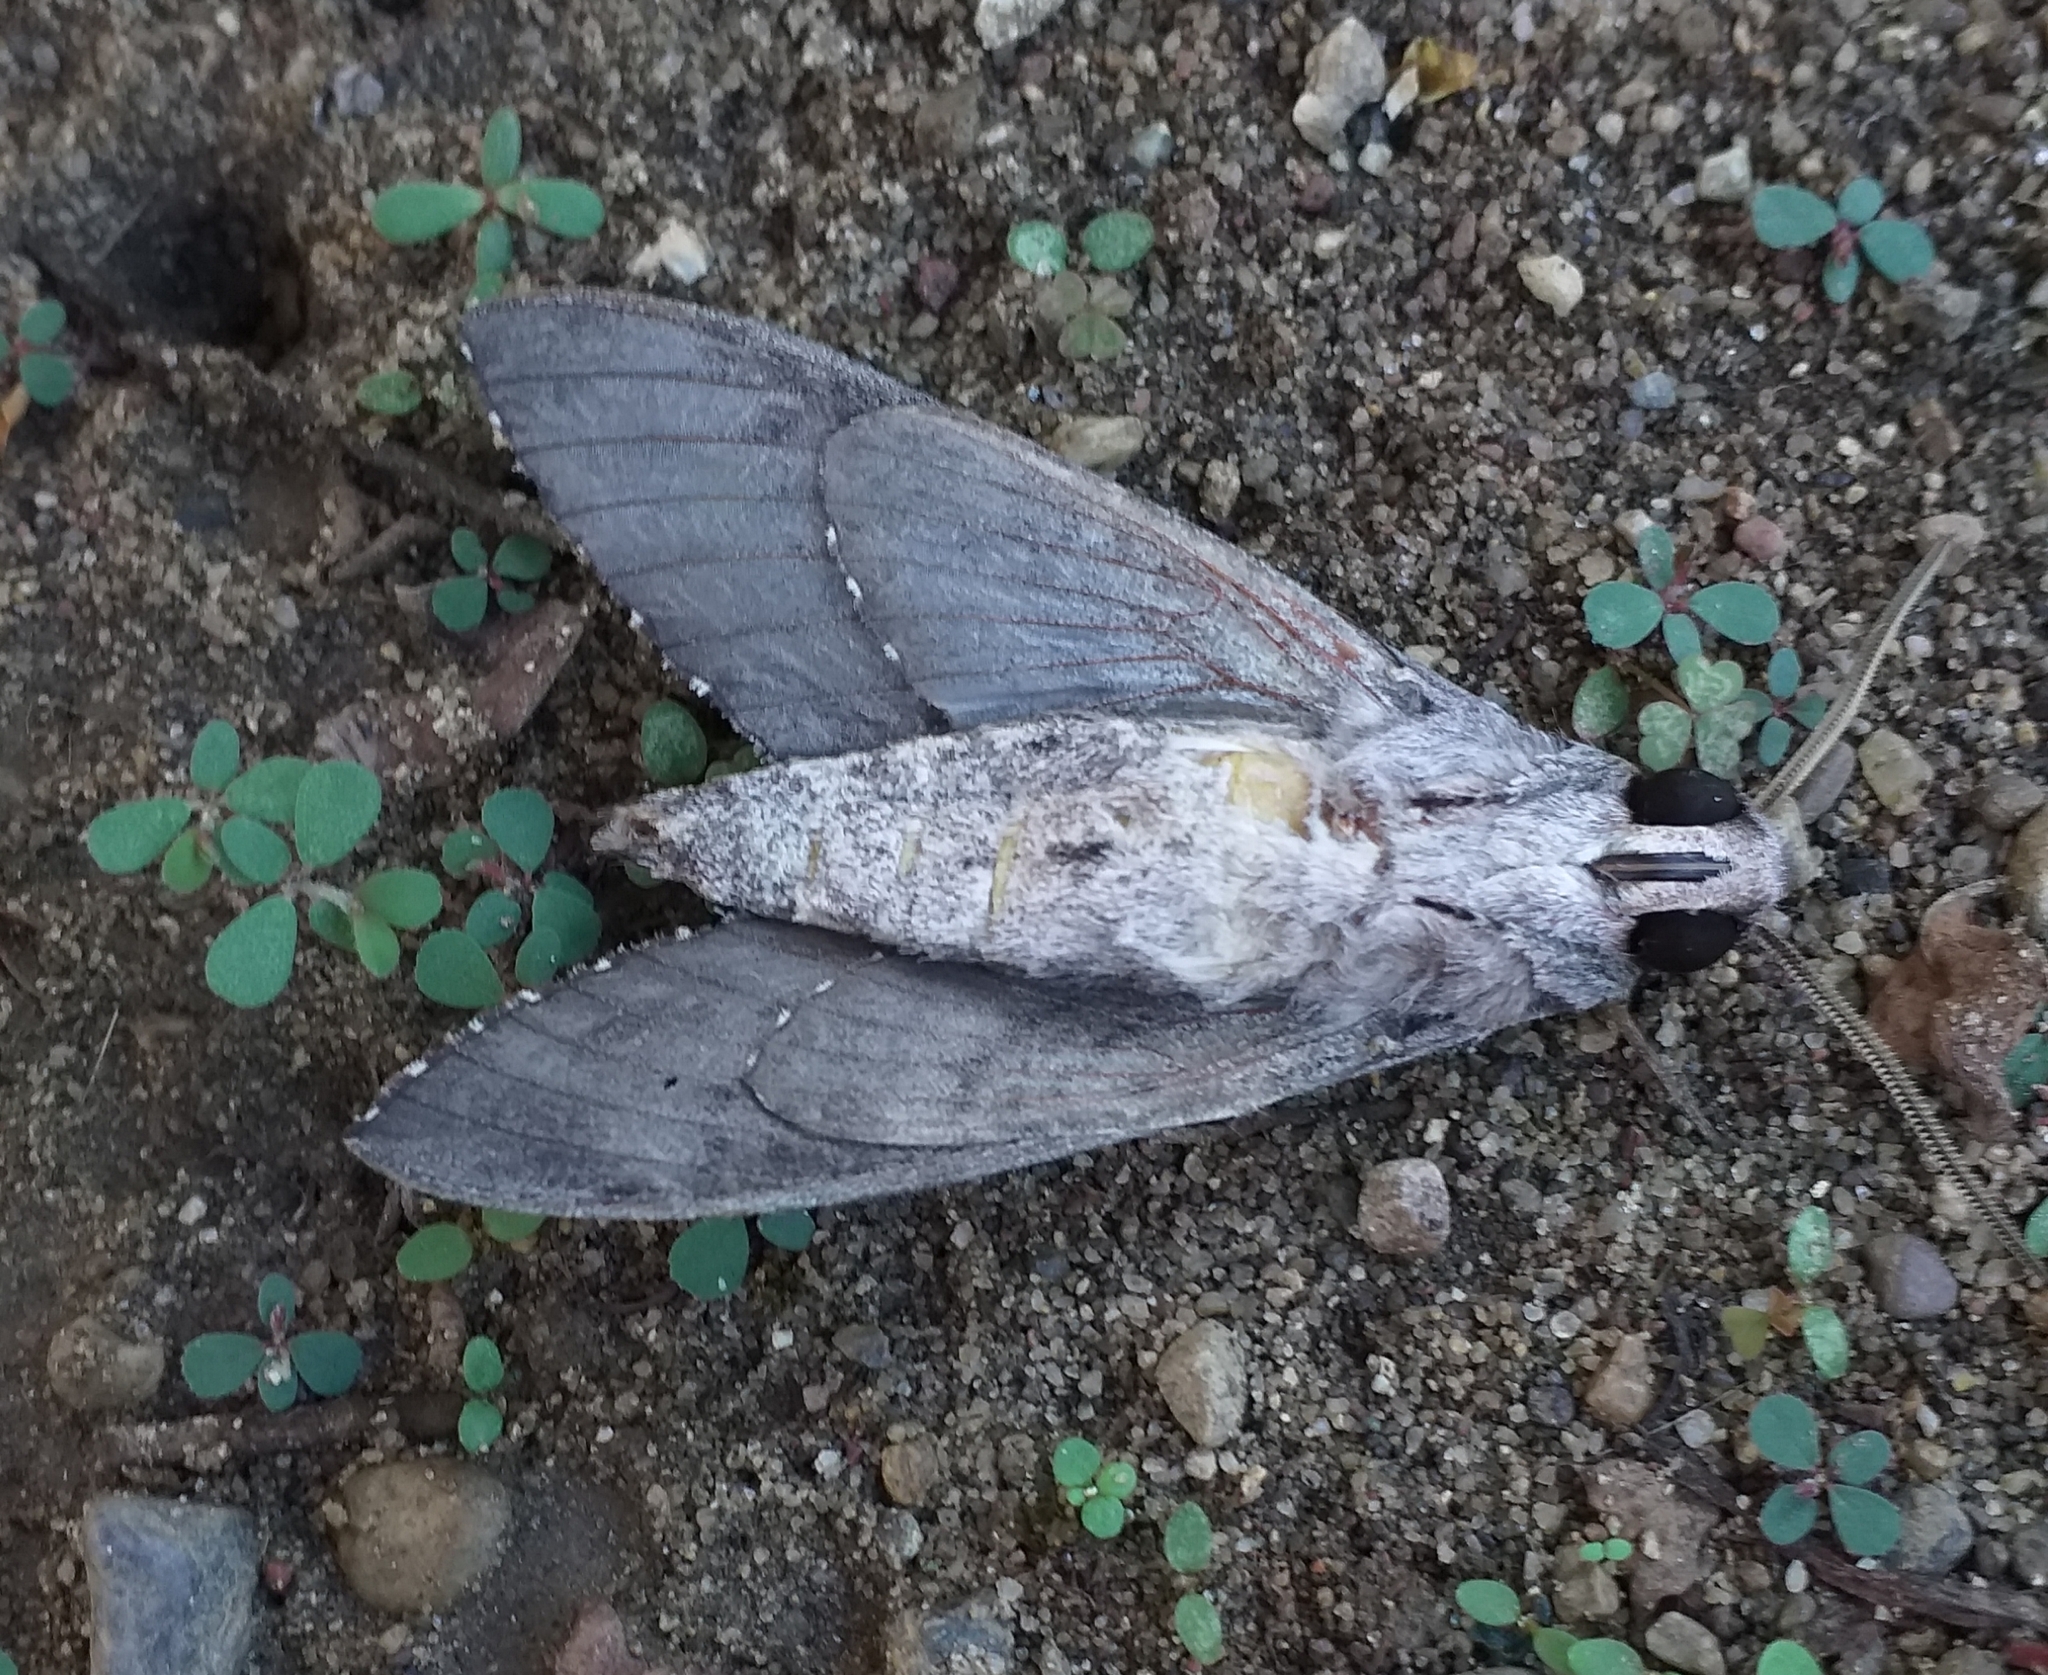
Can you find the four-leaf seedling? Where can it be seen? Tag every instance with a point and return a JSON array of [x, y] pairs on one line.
[[1081, 315], [507, 576], [1809, 1253], [1787, 1434], [1098, 1488], [218, 1364], [42, 378], [233, 823], [419, 211], [1504, 1626], [709, 1258], [1790, 217]]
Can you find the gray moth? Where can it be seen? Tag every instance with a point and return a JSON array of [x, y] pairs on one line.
[[1080, 824]]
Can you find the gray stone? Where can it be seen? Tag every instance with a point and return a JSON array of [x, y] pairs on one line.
[[173, 1586], [1966, 529], [1685, 1645], [1909, 1277], [1582, 1592], [967, 1640], [1934, 1532], [2026, 872], [1099, 442], [866, 1344], [1404, 1208], [1726, 177], [414, 1535], [1969, 1660], [1898, 775], [94, 1369], [900, 1534], [1345, 70], [1943, 310], [1151, 146], [1203, 1379], [1221, 484], [1003, 23], [2029, 1558], [1968, 863], [1654, 391], [2006, 799]]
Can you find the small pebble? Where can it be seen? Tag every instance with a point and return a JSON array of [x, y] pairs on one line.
[[2006, 799], [900, 1534], [1152, 146], [1101, 442], [1909, 1278], [1626, 1385], [1203, 1378], [95, 1369], [1760, 539], [1935, 1534], [1554, 281], [173, 1585], [1696, 1429], [678, 250], [1550, 1403], [2029, 1555], [1404, 1208], [1685, 1645], [910, 1471], [967, 1640], [1966, 529], [1612, 128], [1003, 23], [1725, 177], [1220, 486], [1582, 1592], [1897, 774], [1654, 391], [867, 1345]]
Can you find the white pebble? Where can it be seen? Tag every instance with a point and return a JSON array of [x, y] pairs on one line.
[[1553, 280], [1612, 127], [192, 1212], [678, 250]]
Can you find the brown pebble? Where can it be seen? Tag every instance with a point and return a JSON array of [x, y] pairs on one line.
[[910, 1471], [1760, 539], [1934, 432], [1404, 1208], [1624, 1388]]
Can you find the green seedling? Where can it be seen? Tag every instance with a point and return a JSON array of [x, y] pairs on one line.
[[1790, 705], [233, 823], [709, 1258], [1787, 1433], [1809, 1253], [1097, 1488], [1078, 314], [1613, 1550], [42, 378], [1503, 1625], [481, 1421], [218, 1364], [1198, 1627], [507, 576], [673, 748], [420, 211], [1790, 217], [442, 1249], [8, 1666], [556, 911], [393, 393]]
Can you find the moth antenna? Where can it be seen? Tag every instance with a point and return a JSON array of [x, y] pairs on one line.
[[1937, 1147], [1785, 783]]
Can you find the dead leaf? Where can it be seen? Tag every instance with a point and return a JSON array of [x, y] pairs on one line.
[[1440, 71], [1960, 1001], [526, 655], [597, 1646], [1785, 1311]]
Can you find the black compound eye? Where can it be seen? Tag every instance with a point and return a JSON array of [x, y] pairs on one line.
[[1676, 941], [1682, 797]]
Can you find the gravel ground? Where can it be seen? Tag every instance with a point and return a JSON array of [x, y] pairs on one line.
[[1411, 433]]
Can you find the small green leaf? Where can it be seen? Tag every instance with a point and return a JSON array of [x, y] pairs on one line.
[[47, 379], [329, 921], [450, 968], [337, 804], [1038, 247], [1601, 704], [509, 1227], [1749, 1330], [1657, 554], [394, 393], [8, 1666], [1717, 740], [1621, 613], [1838, 279], [1117, 241], [566, 208], [1118, 1479], [187, 864], [41, 323], [1859, 201], [268, 790], [1809, 1245], [1827, 1340], [277, 1381], [1788, 1516], [218, 1364], [514, 601], [539, 960], [1900, 250], [1786, 217], [486, 286], [1860, 1456], [1707, 684], [520, 823], [1866, 1524], [1493, 1603], [1666, 731], [1616, 1550], [376, 943], [463, 849], [709, 1257], [1553, 1648], [1810, 710], [571, 918], [2026, 1066], [479, 1425], [403, 897], [1593, 1551], [787, 1229], [459, 603], [1605, 1657], [1786, 1657], [438, 1251], [1075, 1462], [275, 1292], [251, 961], [1773, 740], [1092, 336], [1103, 1517], [498, 157], [672, 745], [130, 836], [216, 756], [1199, 1628], [522, 558], [1782, 674], [1785, 1432], [328, 1362], [1742, 611], [467, 549], [494, 918], [253, 849], [1681, 636], [493, 248], [1188, 1540], [483, 1367], [415, 211]]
